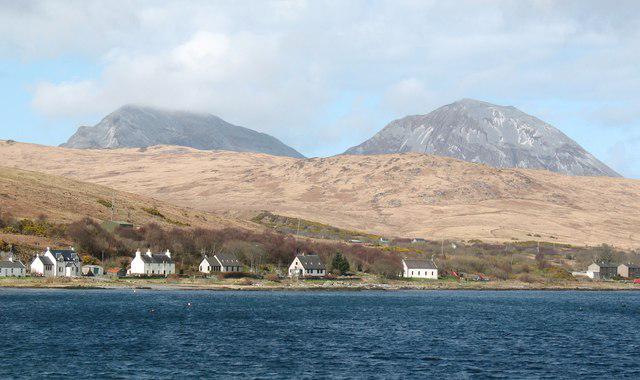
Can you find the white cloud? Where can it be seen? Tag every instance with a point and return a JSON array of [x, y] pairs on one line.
[[277, 66], [410, 96]]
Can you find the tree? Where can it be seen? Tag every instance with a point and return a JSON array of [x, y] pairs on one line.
[[606, 254], [340, 263]]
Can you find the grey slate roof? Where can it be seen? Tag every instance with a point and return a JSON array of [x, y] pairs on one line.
[[311, 261], [11, 264], [67, 254], [632, 266], [228, 259], [45, 260], [156, 258], [420, 264], [606, 265]]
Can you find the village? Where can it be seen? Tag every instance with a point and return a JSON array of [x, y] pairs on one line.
[[67, 264]]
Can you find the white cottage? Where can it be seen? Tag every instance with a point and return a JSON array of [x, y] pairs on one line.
[[10, 267], [152, 264], [56, 263], [419, 268], [307, 266], [220, 262]]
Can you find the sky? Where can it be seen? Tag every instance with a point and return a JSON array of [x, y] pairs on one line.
[[323, 76]]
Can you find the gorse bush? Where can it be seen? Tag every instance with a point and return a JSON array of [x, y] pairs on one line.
[[153, 211], [105, 203]]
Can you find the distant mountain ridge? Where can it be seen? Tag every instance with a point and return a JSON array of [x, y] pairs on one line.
[[133, 126], [476, 131]]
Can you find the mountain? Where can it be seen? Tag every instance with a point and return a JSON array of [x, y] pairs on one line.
[[476, 131], [136, 127], [405, 195]]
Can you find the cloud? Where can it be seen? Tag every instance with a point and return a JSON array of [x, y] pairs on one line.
[[624, 156], [410, 96], [277, 66]]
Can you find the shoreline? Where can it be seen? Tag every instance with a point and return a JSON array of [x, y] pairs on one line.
[[305, 286]]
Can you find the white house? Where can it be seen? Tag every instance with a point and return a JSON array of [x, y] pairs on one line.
[[307, 266], [56, 263], [419, 268], [220, 262], [10, 267], [153, 264]]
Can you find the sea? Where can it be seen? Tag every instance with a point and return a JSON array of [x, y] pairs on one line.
[[157, 334]]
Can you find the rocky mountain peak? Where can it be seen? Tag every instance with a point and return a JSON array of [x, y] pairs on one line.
[[142, 126], [477, 131]]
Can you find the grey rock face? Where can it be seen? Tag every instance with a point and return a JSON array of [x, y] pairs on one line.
[[135, 126], [475, 131]]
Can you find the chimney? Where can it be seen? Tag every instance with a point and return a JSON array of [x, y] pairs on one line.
[[149, 252], [137, 253], [168, 253]]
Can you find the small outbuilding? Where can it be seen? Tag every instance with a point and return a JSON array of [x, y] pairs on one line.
[[11, 267], [221, 262], [419, 268], [629, 270], [602, 270], [307, 266], [92, 270]]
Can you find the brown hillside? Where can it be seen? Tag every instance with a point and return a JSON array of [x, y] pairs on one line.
[[26, 194], [396, 195]]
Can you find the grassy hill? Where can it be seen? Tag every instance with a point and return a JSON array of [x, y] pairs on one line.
[[396, 195], [27, 194]]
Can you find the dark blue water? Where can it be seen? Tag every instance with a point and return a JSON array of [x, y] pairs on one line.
[[155, 334]]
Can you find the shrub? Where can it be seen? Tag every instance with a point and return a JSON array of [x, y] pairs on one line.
[[557, 273], [386, 267], [105, 203], [273, 277], [525, 277], [153, 211], [224, 275]]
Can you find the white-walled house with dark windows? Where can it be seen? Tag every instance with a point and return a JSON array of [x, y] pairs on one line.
[[11, 267], [220, 262], [419, 268], [56, 263], [152, 264], [307, 266]]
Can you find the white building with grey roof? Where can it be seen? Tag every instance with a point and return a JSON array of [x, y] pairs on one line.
[[220, 262], [305, 265], [56, 263], [11, 267], [152, 264], [419, 268]]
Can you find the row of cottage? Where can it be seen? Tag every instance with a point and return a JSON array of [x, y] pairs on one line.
[[66, 263], [605, 270]]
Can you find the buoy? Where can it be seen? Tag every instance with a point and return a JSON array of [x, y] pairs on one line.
[[189, 304]]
